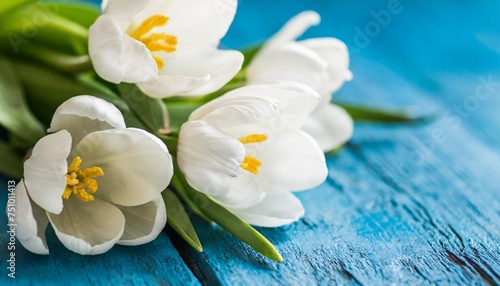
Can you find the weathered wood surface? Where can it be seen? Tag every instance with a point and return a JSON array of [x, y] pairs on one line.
[[402, 204]]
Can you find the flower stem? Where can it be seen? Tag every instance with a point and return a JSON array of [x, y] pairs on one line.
[[373, 114], [57, 60]]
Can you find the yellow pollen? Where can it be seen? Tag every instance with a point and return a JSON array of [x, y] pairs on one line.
[[253, 138], [251, 164], [81, 182], [159, 62], [155, 42]]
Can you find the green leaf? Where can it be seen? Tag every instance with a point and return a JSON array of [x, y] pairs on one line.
[[57, 60], [234, 225], [15, 115], [37, 23], [151, 112], [83, 14], [46, 89], [224, 218], [11, 164], [179, 183], [179, 112], [178, 219], [372, 114], [6, 6]]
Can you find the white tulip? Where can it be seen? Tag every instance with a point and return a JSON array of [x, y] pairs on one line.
[[321, 63], [246, 151], [95, 181], [166, 47]]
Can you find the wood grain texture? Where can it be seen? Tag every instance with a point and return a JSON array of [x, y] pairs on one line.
[[155, 263], [415, 205]]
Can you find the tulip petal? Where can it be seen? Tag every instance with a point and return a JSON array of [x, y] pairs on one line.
[[335, 53], [143, 223], [208, 157], [31, 222], [330, 125], [296, 100], [277, 209], [137, 62], [221, 65], [88, 228], [295, 27], [290, 61], [201, 24], [123, 11], [242, 109], [169, 85], [105, 48], [84, 114], [45, 171], [291, 161], [137, 166], [244, 192], [117, 57]]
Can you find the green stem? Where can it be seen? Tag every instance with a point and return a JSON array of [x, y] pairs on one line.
[[57, 60], [372, 114]]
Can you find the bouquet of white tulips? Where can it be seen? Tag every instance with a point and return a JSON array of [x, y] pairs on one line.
[[114, 118]]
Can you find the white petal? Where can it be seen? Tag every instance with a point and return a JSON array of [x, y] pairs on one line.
[[236, 109], [88, 228], [84, 114], [296, 100], [45, 171], [244, 192], [123, 11], [31, 222], [291, 161], [170, 85], [290, 61], [137, 62], [208, 157], [137, 166], [105, 48], [199, 24], [295, 27], [221, 65], [143, 223], [117, 57], [277, 209], [330, 125], [335, 53]]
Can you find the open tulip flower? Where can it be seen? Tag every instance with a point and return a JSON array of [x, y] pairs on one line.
[[96, 182], [246, 151], [321, 63], [166, 47]]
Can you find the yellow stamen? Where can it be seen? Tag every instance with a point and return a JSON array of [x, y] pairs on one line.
[[81, 182], [159, 62], [155, 42], [251, 164], [253, 138], [75, 165], [160, 42]]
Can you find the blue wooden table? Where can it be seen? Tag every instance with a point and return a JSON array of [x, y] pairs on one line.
[[402, 204]]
